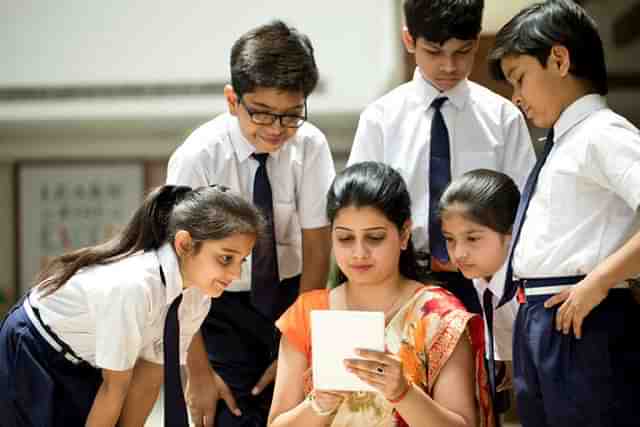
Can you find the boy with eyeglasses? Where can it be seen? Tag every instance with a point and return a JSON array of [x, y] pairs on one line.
[[265, 149]]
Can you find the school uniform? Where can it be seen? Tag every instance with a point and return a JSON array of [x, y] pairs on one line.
[[584, 207], [53, 347], [239, 332], [485, 131]]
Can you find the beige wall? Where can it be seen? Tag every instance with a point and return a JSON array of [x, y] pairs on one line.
[[498, 12], [7, 230]]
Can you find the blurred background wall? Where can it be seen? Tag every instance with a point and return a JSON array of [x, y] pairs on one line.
[[87, 87]]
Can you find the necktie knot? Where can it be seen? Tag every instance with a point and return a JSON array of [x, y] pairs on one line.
[[437, 103], [261, 158], [487, 297]]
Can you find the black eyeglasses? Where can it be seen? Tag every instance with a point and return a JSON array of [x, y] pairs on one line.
[[267, 119]]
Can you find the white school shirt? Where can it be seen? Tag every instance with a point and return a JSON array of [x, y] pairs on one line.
[[111, 315], [585, 205], [300, 173], [503, 318], [485, 131]]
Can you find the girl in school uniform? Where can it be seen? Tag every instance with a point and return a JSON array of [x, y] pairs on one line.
[[85, 346], [477, 211]]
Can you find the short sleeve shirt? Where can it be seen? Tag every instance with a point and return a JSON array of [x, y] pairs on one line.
[[485, 131], [585, 205], [111, 315], [300, 173]]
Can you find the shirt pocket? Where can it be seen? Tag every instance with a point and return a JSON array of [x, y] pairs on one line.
[[286, 223]]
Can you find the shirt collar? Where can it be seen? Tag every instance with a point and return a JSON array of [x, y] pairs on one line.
[[171, 269], [496, 284], [575, 113], [243, 148], [458, 95]]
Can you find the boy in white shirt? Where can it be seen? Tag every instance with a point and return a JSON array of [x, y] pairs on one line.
[[472, 128], [264, 149], [576, 238]]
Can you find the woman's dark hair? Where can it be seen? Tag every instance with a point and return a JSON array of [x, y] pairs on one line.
[[486, 197], [207, 213], [540, 26], [376, 185], [276, 56]]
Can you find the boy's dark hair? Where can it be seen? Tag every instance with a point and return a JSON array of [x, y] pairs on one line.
[[440, 20], [276, 56], [537, 28]]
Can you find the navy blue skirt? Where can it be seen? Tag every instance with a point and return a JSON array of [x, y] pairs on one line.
[[38, 385]]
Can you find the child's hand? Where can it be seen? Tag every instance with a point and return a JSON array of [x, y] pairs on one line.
[[578, 300], [267, 378], [381, 370], [202, 394], [507, 378]]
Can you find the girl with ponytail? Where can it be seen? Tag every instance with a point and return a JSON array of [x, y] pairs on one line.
[[85, 345]]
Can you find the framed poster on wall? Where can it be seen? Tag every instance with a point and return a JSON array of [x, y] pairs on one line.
[[66, 206]]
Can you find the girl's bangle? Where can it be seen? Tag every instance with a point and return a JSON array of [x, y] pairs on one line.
[[311, 398], [401, 395]]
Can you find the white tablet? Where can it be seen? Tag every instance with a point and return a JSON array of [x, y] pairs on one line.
[[335, 334]]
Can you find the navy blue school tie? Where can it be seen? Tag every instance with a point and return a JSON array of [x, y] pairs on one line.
[[175, 408], [509, 287], [439, 178], [487, 306], [264, 264]]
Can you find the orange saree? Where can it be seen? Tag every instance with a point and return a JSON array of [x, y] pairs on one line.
[[423, 333]]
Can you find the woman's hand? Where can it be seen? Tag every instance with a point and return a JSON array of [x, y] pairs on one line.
[[381, 370]]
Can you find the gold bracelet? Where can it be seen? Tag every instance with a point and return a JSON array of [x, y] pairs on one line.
[[311, 398]]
